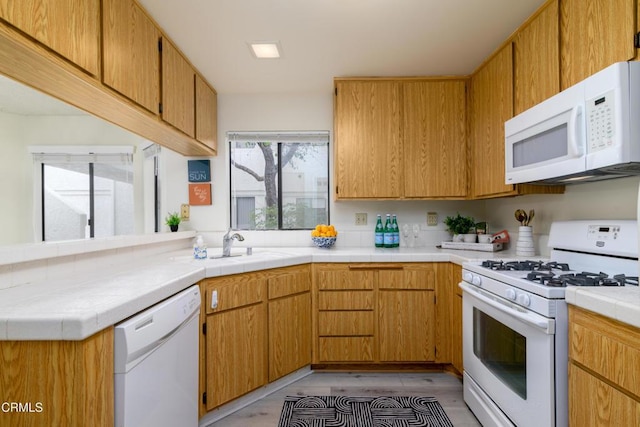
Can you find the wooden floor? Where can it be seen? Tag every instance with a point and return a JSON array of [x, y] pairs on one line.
[[445, 387]]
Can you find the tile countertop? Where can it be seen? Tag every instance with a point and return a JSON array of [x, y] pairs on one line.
[[619, 303], [76, 308]]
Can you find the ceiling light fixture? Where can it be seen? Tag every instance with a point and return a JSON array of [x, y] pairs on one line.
[[265, 50]]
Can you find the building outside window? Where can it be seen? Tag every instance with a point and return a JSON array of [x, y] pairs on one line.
[[85, 195], [279, 181]]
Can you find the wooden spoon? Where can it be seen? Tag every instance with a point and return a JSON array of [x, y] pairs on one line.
[[531, 214], [521, 216]]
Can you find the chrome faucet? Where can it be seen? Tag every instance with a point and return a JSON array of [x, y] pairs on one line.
[[227, 241]]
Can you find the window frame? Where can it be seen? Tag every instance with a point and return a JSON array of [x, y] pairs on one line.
[[276, 138], [46, 155]]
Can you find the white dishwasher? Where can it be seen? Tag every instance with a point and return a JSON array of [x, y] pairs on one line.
[[156, 364]]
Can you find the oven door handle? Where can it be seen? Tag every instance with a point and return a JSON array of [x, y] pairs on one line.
[[526, 316]]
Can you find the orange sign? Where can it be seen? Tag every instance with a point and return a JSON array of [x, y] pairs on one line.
[[199, 194]]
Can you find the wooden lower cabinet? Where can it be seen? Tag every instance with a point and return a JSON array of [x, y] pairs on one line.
[[380, 313], [62, 383], [236, 353], [289, 321], [406, 332], [345, 349], [594, 403], [604, 383], [259, 331]]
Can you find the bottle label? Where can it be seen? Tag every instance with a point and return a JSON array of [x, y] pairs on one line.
[[388, 239], [200, 252], [379, 238]]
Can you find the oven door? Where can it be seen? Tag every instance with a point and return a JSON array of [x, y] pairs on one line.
[[508, 355]]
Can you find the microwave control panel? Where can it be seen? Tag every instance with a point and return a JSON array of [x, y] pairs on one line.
[[601, 122]]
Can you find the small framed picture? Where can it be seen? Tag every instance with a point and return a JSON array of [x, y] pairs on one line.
[[199, 194]]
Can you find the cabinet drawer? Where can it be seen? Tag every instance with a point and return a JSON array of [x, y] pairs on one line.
[[345, 323], [343, 278], [345, 300], [346, 349], [607, 347], [407, 278], [234, 293], [291, 283]]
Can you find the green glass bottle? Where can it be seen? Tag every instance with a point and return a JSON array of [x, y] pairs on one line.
[[396, 232], [388, 233], [379, 233]]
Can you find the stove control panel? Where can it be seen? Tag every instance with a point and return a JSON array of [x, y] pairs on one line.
[[603, 232], [474, 279]]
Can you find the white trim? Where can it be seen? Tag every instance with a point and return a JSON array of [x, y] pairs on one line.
[[260, 136], [81, 149]]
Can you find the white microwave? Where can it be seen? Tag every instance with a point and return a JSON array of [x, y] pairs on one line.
[[590, 131]]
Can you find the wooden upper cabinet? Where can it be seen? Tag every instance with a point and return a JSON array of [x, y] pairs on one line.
[[178, 89], [130, 52], [434, 146], [536, 59], [206, 114], [367, 139], [594, 34], [491, 106], [69, 27]]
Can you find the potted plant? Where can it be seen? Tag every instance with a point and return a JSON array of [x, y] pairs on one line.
[[461, 227], [173, 220]]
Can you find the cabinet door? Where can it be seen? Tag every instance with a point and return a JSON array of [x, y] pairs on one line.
[[206, 114], [367, 140], [69, 27], [434, 122], [289, 321], [594, 34], [289, 334], [406, 314], [594, 403], [130, 53], [491, 106], [236, 356], [536, 60], [405, 325], [178, 89]]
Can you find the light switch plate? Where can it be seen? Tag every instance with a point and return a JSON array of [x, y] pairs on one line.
[[184, 212], [361, 218]]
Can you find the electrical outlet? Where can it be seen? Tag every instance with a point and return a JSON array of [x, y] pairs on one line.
[[432, 218], [184, 212], [361, 218]]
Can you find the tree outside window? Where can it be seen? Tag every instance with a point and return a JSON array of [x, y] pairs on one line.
[[279, 181]]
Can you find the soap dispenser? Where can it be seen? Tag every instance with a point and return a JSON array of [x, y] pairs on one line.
[[200, 248]]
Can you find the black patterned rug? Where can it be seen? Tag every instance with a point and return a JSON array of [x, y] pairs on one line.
[[344, 411]]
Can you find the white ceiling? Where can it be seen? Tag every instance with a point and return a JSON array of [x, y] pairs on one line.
[[322, 39]]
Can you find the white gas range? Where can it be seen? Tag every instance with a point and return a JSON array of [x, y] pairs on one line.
[[515, 320]]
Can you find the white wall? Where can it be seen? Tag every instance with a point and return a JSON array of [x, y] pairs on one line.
[[285, 112], [18, 132], [612, 199]]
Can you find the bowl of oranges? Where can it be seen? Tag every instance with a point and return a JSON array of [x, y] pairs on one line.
[[324, 236]]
